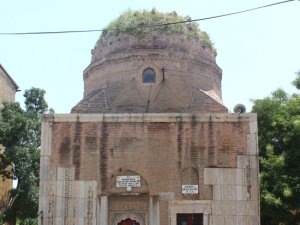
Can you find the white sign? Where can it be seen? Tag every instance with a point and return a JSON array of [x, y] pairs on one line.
[[128, 181], [189, 189]]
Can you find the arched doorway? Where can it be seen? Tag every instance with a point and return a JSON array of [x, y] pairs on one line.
[[128, 221]]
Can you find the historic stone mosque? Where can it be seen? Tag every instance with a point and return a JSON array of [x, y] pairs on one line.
[[151, 142]]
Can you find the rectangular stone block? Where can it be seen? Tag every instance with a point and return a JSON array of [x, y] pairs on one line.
[[252, 144], [256, 208], [217, 207], [241, 220], [254, 177], [240, 177], [229, 176], [247, 161], [218, 192], [242, 161], [218, 176], [43, 188], [254, 162], [206, 220], [44, 161], [253, 126], [59, 207], [52, 174], [218, 220], [208, 176], [254, 220], [244, 208], [82, 207], [44, 173], [228, 208], [46, 137], [43, 203], [59, 221], [242, 193], [229, 220], [81, 190], [229, 192], [255, 193]]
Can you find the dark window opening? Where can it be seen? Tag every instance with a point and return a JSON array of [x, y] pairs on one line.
[[128, 221], [190, 219], [148, 76]]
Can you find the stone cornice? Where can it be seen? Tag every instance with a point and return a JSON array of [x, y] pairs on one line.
[[151, 117]]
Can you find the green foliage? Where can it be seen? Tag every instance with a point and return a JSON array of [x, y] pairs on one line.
[[296, 82], [279, 141], [20, 132], [140, 23]]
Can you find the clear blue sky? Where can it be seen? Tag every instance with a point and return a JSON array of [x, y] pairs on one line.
[[258, 51]]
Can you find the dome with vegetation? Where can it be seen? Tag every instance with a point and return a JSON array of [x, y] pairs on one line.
[[152, 62], [141, 23]]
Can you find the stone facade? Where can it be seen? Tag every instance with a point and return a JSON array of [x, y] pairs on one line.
[[8, 89], [82, 156], [151, 142]]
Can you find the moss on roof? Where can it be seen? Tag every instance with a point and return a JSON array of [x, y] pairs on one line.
[[140, 23]]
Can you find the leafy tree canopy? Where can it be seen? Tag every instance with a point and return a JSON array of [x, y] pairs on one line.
[[20, 133], [279, 142]]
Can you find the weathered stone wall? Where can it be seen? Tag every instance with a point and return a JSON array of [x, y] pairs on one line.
[[95, 149], [7, 88]]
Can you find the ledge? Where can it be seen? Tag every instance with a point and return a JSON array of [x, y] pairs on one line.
[[151, 117]]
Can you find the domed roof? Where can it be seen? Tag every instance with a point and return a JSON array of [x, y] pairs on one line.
[[147, 61]]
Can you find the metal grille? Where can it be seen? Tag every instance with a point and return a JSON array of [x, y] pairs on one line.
[[190, 219]]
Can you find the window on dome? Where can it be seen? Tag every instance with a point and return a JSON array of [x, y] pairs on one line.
[[148, 76]]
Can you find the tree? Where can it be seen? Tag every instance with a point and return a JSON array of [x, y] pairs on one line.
[[20, 132], [279, 142]]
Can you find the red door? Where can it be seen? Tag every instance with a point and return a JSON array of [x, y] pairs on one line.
[[128, 221]]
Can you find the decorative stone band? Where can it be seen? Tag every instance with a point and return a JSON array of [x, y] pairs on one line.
[[155, 117]]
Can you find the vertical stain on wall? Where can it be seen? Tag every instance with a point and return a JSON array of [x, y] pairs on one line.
[[103, 155], [211, 149], [193, 148], [180, 136], [64, 151], [76, 149]]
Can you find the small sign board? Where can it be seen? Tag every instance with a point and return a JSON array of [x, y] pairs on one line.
[[189, 189], [128, 181]]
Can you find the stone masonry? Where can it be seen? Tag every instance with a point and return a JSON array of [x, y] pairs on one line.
[[151, 142], [8, 87], [83, 154]]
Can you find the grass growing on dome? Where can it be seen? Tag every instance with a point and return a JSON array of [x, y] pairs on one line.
[[137, 22]]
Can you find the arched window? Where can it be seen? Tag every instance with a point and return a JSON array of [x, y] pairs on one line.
[[148, 76]]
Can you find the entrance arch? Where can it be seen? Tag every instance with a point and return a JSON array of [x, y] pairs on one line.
[[137, 218], [128, 221]]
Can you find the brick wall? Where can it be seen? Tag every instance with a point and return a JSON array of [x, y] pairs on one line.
[[155, 150], [187, 64], [190, 81]]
